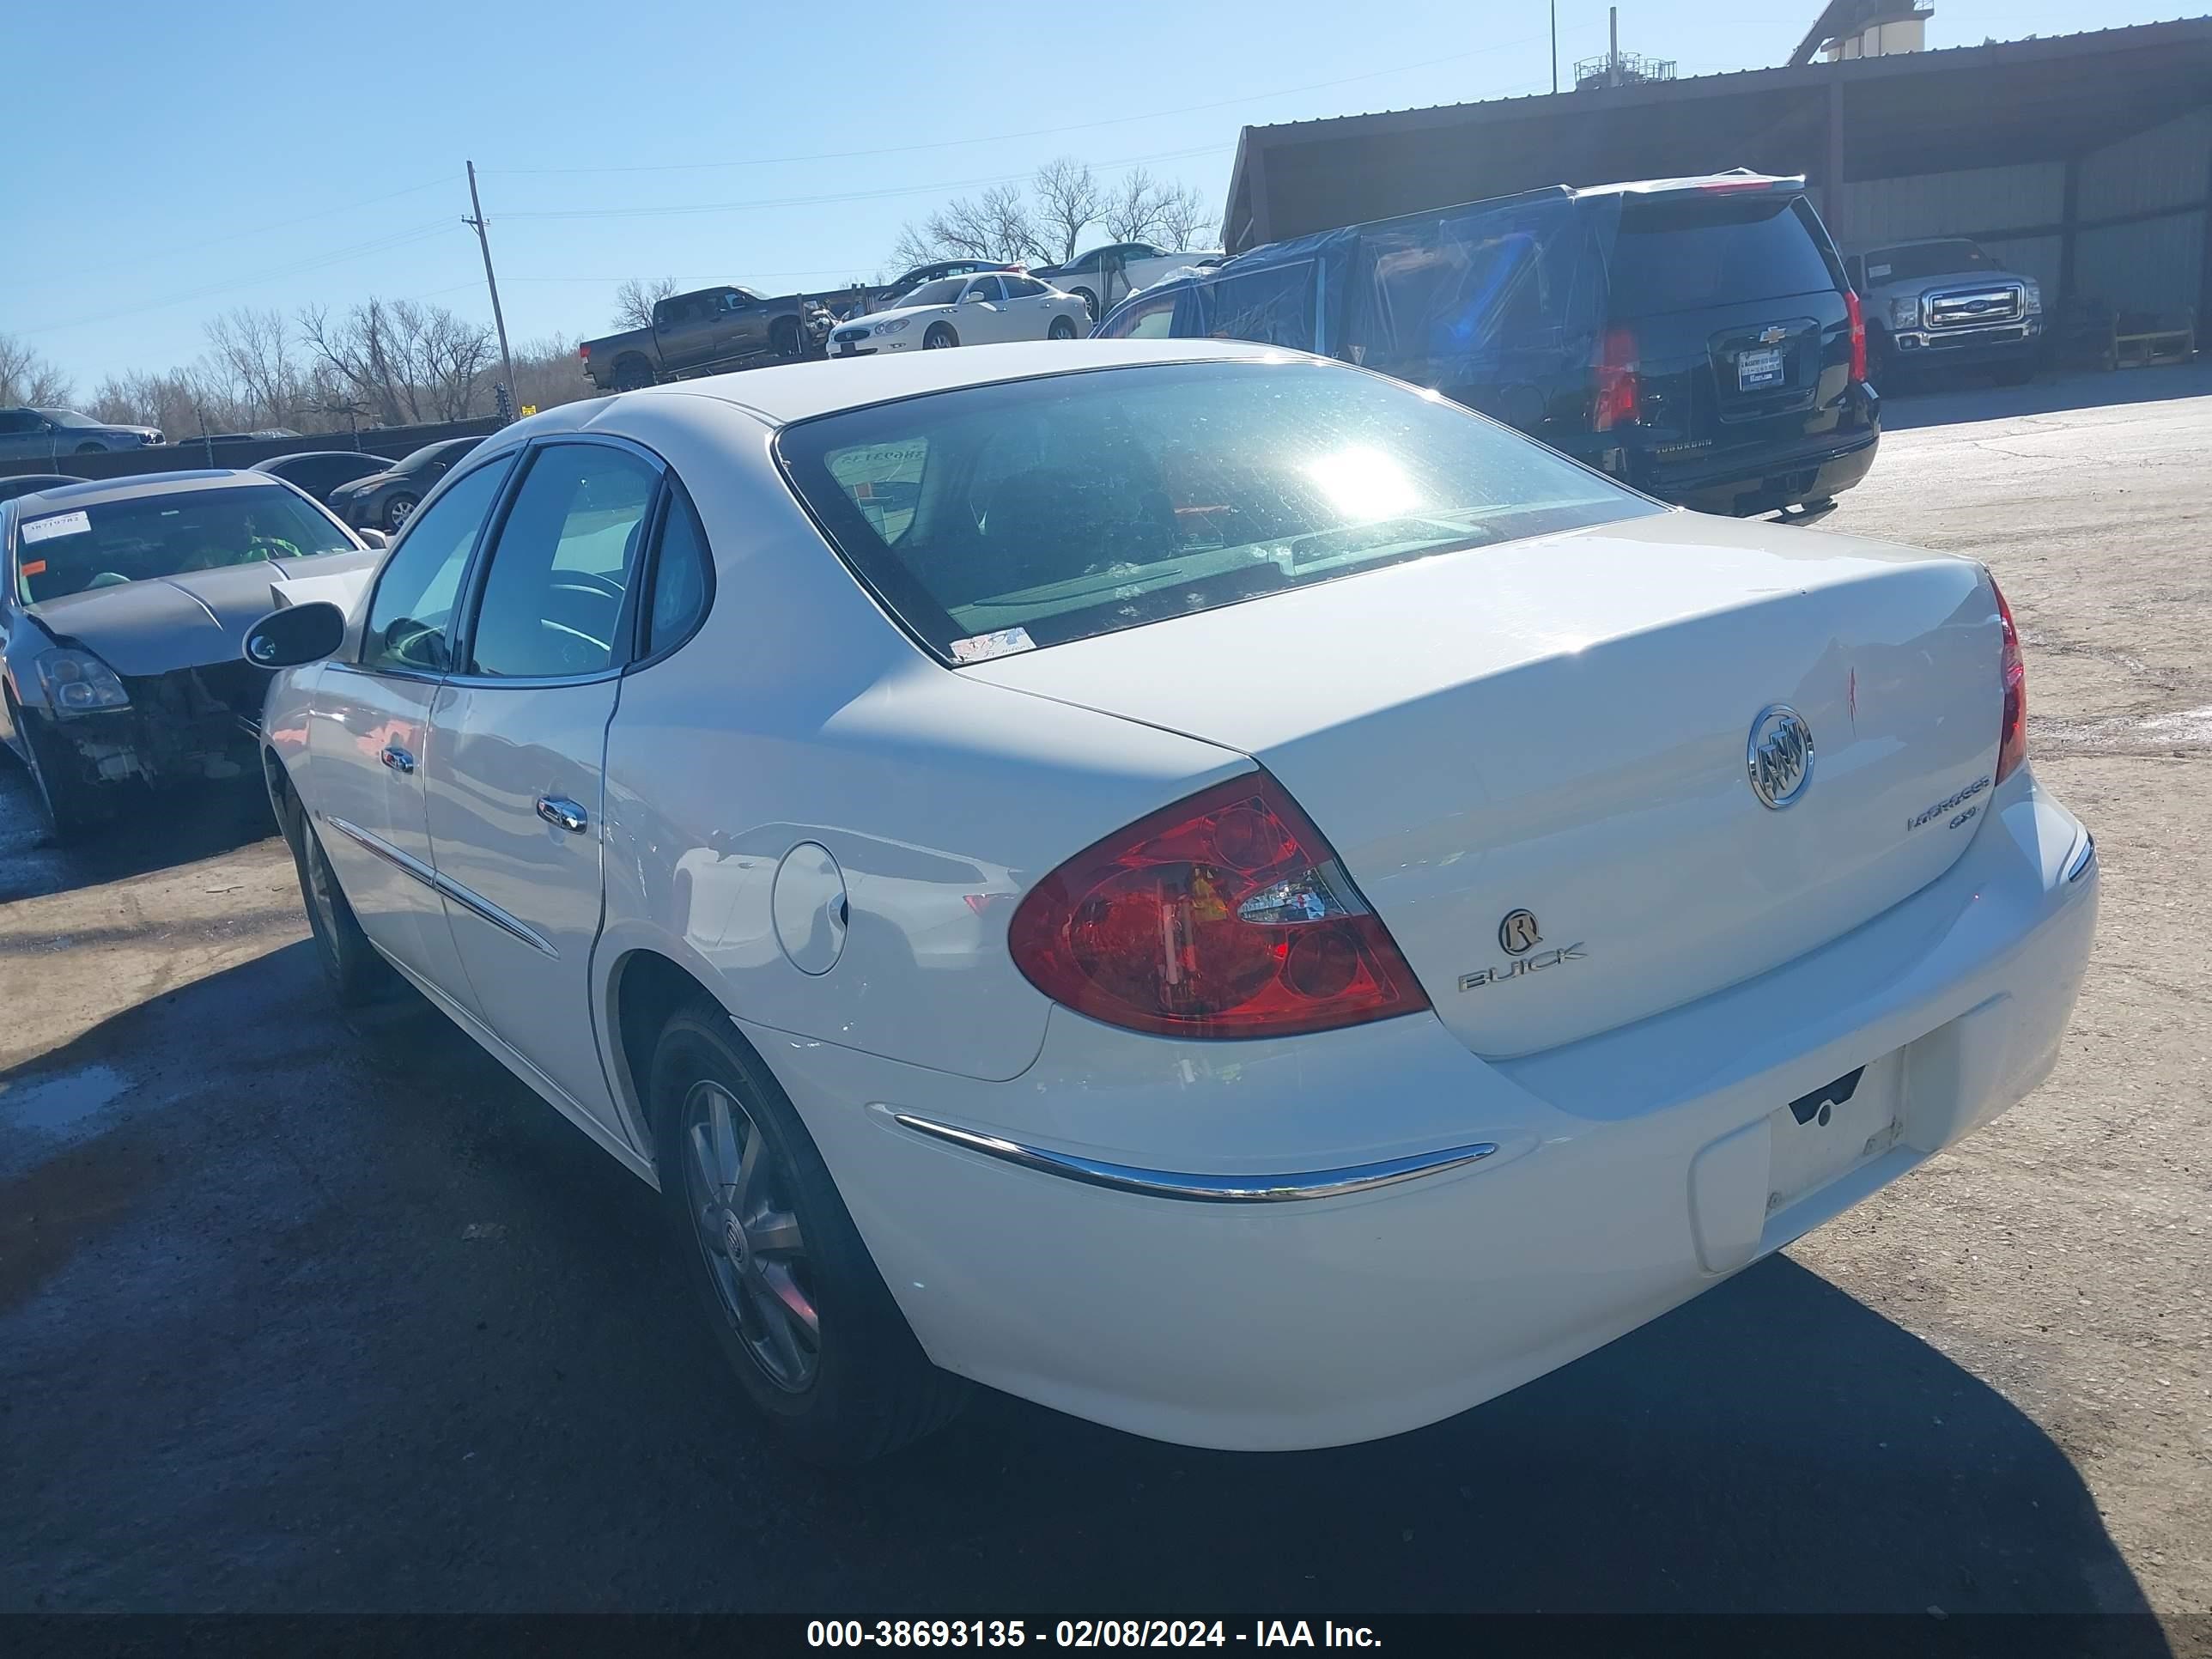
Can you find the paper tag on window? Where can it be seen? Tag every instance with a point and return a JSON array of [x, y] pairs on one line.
[[61, 524], [1004, 643], [1879, 272]]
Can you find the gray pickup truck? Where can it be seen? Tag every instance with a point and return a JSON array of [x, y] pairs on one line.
[[1945, 303], [704, 332]]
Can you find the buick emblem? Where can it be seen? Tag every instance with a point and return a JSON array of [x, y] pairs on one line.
[[1779, 756], [1517, 934]]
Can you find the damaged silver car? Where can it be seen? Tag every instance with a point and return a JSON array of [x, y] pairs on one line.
[[125, 604]]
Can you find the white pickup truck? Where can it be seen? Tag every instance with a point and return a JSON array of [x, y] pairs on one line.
[[1944, 302]]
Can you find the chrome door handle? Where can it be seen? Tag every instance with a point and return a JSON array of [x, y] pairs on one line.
[[398, 758], [560, 811]]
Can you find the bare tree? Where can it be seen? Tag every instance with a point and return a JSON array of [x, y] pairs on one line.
[[635, 299], [407, 362], [998, 226], [1183, 223], [255, 352], [1132, 209], [27, 377], [1069, 199]]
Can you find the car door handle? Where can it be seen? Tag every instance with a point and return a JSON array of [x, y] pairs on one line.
[[560, 811], [398, 758]]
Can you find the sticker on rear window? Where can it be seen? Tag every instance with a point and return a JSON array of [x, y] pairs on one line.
[[982, 647], [1880, 271], [61, 524]]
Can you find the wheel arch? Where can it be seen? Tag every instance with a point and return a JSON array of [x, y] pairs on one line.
[[644, 984]]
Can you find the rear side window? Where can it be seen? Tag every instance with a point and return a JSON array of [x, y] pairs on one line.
[[1030, 512], [1684, 254], [679, 576]]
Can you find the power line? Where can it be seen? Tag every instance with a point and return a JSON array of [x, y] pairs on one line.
[[1034, 132], [815, 198]]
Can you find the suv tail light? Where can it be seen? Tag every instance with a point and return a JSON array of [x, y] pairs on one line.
[[1616, 382], [2012, 732], [1857, 313], [1224, 915]]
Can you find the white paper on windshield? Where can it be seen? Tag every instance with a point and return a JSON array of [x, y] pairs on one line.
[[61, 524], [1879, 272], [982, 647]]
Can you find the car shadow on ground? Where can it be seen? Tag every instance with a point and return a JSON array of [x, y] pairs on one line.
[[390, 1334], [154, 832], [1962, 397]]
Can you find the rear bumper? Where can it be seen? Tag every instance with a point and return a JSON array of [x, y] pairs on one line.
[[1624, 1173], [1784, 479]]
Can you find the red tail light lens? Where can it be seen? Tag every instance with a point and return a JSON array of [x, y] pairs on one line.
[[1616, 382], [2012, 735], [1225, 915], [585, 352], [1857, 313]]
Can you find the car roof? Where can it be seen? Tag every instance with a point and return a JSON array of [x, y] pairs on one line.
[[785, 392], [103, 490], [320, 455]]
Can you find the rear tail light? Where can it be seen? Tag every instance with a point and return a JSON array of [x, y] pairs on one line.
[[1616, 382], [1857, 313], [1224, 915], [2012, 734], [585, 352]]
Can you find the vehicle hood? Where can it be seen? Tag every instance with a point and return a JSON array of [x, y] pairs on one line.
[[1900, 286], [911, 314], [363, 486], [188, 621]]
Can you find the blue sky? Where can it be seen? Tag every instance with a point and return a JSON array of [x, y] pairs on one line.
[[185, 159]]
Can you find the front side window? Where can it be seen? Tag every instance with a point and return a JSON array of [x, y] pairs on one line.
[[552, 604], [410, 627], [109, 543], [944, 291], [1070, 505], [984, 287]]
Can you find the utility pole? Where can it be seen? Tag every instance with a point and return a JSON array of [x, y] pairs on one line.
[[1555, 48], [499, 320]]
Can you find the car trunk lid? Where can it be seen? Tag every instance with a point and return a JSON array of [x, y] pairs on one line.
[[1535, 759]]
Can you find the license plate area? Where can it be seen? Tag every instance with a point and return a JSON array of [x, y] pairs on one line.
[[1758, 368], [1831, 1131]]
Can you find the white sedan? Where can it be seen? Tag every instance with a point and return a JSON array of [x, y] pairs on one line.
[[1201, 886], [990, 309]]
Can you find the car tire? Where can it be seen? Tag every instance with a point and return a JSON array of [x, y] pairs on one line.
[[71, 807], [357, 974], [1090, 301], [1063, 328], [940, 335], [632, 375], [396, 511], [784, 338], [804, 1322]]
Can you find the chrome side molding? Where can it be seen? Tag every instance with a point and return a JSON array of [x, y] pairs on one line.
[[1204, 1188]]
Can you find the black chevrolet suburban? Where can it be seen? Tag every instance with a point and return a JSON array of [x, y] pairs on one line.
[[1696, 337]]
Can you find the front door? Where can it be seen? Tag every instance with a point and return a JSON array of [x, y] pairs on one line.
[[369, 741], [520, 739]]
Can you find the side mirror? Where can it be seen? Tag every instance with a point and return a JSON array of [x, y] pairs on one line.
[[373, 537], [298, 634]]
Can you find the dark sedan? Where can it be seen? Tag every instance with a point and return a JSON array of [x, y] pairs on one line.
[[27, 483], [124, 605], [383, 500], [320, 472]]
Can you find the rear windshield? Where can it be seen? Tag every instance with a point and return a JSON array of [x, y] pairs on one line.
[[171, 534], [1079, 504], [1674, 254]]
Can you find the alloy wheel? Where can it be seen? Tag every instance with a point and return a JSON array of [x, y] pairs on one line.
[[749, 1236]]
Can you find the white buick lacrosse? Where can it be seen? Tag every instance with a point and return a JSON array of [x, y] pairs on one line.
[[1203, 887]]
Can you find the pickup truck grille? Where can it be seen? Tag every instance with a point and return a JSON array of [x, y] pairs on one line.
[[1977, 307]]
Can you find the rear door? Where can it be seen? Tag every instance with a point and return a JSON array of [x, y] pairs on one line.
[[513, 779], [1730, 305], [369, 740], [1029, 307]]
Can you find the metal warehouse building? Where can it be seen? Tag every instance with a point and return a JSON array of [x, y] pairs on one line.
[[2084, 160]]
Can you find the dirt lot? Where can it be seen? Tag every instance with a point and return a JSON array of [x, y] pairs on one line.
[[295, 1315]]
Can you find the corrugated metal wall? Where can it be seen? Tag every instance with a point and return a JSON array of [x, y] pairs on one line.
[[1871, 210], [2153, 264]]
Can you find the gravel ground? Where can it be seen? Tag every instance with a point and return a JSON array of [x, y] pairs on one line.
[[298, 1314]]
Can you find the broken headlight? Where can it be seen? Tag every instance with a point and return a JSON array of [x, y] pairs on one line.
[[77, 683]]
